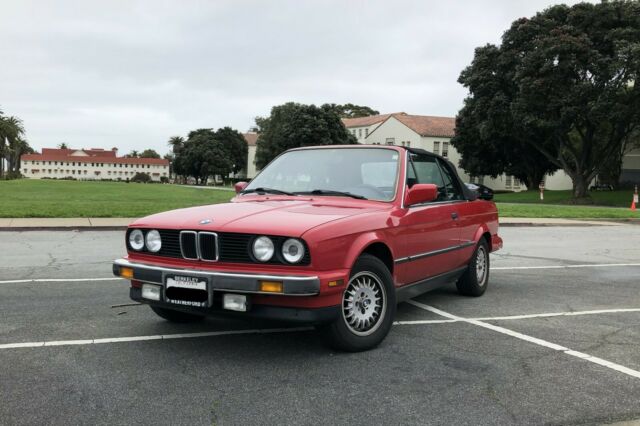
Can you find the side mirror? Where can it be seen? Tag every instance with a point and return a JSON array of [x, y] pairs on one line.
[[240, 186], [486, 195], [421, 193]]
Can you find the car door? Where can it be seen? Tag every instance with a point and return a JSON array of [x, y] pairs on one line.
[[429, 230]]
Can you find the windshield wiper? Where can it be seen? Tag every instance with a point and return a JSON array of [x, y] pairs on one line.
[[266, 191], [331, 192]]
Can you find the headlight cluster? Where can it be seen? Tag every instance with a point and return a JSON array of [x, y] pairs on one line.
[[264, 249], [152, 241]]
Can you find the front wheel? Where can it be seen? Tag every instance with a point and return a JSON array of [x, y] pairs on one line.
[[475, 280], [368, 308]]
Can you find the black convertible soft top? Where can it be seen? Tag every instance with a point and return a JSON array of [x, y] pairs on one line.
[[466, 192]]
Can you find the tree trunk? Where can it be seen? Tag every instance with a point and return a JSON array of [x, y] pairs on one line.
[[580, 186], [534, 179]]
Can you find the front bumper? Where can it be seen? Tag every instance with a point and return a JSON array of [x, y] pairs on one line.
[[292, 304], [293, 285]]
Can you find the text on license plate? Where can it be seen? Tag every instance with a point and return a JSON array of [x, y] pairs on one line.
[[183, 290]]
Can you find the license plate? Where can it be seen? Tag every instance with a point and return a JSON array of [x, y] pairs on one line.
[[186, 290]]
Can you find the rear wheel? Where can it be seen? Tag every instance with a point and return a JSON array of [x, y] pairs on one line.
[[367, 310], [475, 280], [176, 316]]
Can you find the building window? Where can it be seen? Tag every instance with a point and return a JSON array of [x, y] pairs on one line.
[[390, 141], [366, 132], [408, 143], [445, 149], [436, 147], [508, 181], [359, 133]]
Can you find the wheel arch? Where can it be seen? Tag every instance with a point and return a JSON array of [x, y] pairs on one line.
[[483, 232], [374, 245]]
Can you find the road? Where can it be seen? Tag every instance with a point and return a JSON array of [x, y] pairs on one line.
[[555, 340]]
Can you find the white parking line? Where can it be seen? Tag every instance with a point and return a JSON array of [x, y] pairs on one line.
[[153, 337], [559, 314], [59, 280], [450, 319], [531, 339], [586, 265]]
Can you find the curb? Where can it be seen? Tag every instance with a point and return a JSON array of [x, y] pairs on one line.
[[62, 228]]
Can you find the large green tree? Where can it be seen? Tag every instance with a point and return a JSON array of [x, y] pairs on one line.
[[485, 131], [570, 76], [235, 146], [354, 111], [149, 153], [292, 125], [206, 153]]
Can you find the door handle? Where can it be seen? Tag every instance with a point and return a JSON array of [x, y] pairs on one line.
[[454, 216]]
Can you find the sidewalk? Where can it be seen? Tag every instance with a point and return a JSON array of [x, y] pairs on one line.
[[122, 222]]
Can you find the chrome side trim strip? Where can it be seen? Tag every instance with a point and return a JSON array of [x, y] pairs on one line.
[[434, 252]]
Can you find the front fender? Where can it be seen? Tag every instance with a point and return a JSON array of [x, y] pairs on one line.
[[342, 252]]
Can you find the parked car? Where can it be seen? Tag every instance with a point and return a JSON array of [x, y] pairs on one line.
[[601, 187], [333, 236], [484, 192]]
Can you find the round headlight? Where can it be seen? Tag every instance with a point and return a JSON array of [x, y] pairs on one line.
[[263, 248], [136, 239], [154, 243], [293, 250]]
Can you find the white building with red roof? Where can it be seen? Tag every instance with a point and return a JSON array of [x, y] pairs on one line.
[[90, 164], [432, 134]]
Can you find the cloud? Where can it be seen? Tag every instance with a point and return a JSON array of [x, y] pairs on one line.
[[133, 73]]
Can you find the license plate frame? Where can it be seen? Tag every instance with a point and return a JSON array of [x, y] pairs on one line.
[[187, 290]]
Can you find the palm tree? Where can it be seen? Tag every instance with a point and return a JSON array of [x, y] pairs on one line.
[[16, 150], [63, 146], [11, 130], [176, 143]]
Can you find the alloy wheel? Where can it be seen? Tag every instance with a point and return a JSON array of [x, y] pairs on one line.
[[364, 303]]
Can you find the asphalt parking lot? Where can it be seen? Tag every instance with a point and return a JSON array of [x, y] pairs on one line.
[[555, 340]]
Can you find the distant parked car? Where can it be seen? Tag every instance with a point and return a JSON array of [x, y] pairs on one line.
[[601, 187], [333, 236], [484, 192]]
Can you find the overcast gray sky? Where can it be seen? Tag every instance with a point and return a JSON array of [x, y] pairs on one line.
[[131, 74]]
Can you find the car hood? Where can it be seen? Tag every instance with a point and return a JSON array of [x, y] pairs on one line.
[[262, 215]]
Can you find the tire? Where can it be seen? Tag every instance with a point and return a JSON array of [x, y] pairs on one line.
[[360, 325], [475, 280], [176, 316]]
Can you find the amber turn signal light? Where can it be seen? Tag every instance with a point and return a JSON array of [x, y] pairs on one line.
[[126, 273], [271, 286], [336, 283]]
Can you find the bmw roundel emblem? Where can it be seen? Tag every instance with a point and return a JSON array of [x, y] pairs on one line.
[[205, 221]]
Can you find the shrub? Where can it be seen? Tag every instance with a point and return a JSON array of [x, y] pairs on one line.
[[141, 178]]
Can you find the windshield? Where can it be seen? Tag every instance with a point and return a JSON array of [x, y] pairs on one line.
[[369, 173]]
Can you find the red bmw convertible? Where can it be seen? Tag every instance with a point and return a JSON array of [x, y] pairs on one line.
[[334, 236]]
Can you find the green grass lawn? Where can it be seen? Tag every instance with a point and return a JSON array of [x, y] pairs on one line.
[[565, 212], [558, 204], [57, 198], [621, 198]]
